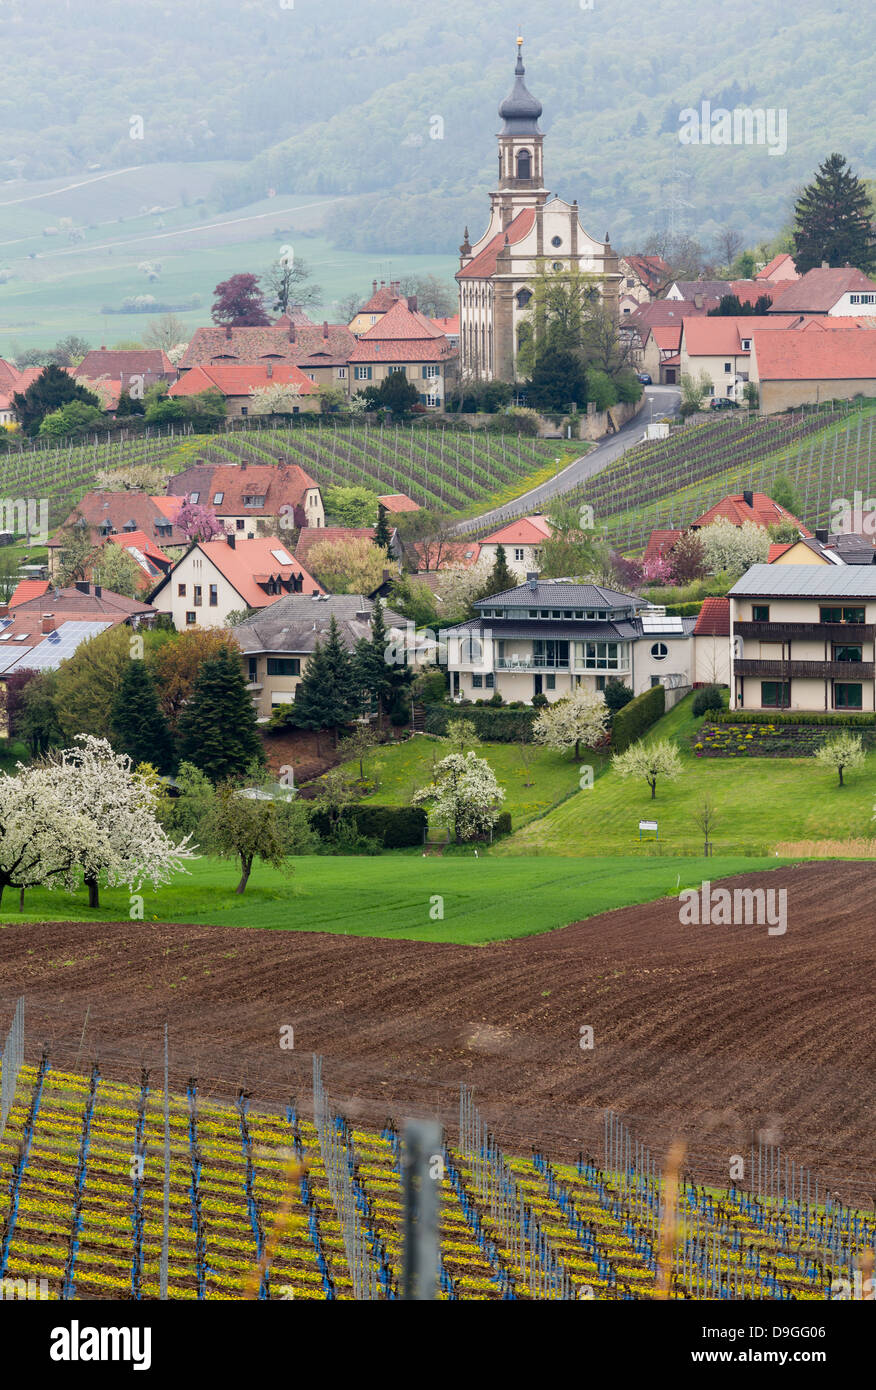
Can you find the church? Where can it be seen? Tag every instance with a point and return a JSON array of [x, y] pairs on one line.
[[528, 232]]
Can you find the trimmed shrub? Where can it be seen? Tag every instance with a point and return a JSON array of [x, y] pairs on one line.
[[637, 717], [394, 827], [492, 724], [709, 697]]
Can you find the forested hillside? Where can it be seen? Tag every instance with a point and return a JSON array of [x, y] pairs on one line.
[[326, 96]]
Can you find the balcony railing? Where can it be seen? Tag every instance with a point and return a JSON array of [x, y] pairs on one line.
[[802, 670], [799, 632], [531, 663]]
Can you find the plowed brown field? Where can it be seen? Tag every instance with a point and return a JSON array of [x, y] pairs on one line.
[[708, 1031]]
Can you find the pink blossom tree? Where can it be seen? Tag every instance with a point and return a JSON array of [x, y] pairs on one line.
[[197, 522]]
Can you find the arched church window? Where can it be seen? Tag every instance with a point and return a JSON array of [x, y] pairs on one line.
[[523, 297], [524, 165]]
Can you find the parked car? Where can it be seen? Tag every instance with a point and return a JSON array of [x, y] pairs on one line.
[[724, 403], [645, 379]]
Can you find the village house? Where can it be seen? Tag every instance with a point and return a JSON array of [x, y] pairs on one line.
[[803, 638], [277, 644], [807, 368], [643, 279], [135, 369], [250, 498], [737, 508], [239, 383], [129, 513], [712, 643], [552, 637], [381, 301], [215, 578], [836, 291], [521, 540], [781, 270], [404, 340], [321, 352]]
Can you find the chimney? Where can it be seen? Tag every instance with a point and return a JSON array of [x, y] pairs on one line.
[[374, 287], [47, 622], [270, 370], [228, 333], [82, 585], [822, 536], [231, 539], [698, 301], [412, 303], [325, 328], [4, 610], [103, 347], [98, 590], [825, 265], [532, 580], [292, 338], [748, 497]]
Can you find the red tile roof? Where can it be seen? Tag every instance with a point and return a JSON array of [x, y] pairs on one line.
[[763, 511], [238, 379], [309, 536], [76, 605], [250, 563], [528, 530], [659, 544], [833, 356], [780, 269], [382, 299], [709, 337], [402, 323], [27, 589], [714, 618], [776, 549], [119, 509], [399, 502], [651, 270], [280, 485], [819, 290], [667, 336], [450, 325], [289, 344], [152, 561], [663, 311], [121, 364], [9, 375], [408, 350], [484, 263]]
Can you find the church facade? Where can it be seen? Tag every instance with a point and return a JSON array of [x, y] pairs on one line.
[[529, 231]]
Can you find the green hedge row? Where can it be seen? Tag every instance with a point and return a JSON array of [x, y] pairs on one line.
[[637, 717], [396, 827], [684, 610], [493, 725], [758, 716]]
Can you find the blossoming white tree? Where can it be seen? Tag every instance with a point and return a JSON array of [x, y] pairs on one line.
[[733, 548], [39, 829], [652, 760], [568, 723], [280, 398], [844, 752], [116, 832], [464, 794]]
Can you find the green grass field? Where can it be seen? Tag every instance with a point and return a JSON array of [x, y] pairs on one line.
[[483, 899], [58, 287], [534, 779]]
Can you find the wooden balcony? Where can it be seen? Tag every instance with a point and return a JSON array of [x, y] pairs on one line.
[[800, 632], [806, 670]]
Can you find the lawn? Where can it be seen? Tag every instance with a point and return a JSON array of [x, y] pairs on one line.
[[534, 778], [393, 895], [760, 802]]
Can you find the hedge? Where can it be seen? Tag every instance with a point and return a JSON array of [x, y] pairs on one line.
[[757, 716], [635, 718], [396, 827], [503, 824], [493, 724], [684, 610]]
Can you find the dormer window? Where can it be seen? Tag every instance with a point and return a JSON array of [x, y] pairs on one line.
[[254, 501], [746, 345]]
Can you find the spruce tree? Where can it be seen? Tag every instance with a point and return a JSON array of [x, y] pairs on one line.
[[339, 696], [137, 722], [500, 578], [833, 220], [217, 729], [382, 534]]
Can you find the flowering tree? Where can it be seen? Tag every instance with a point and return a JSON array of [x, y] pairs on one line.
[[842, 752], [464, 794], [112, 827], [568, 723], [650, 761], [734, 548], [347, 567], [197, 522], [657, 570], [280, 398], [39, 829]]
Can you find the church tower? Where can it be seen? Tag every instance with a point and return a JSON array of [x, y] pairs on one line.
[[521, 150], [529, 234]]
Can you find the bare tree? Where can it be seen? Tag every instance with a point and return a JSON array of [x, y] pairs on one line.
[[706, 817], [287, 282], [728, 242], [165, 332]]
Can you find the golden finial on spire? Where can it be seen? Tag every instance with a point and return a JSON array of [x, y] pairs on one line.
[[519, 40]]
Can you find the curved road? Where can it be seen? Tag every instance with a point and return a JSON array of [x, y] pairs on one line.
[[660, 401]]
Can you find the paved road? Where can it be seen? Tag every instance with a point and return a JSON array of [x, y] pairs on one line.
[[660, 401]]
